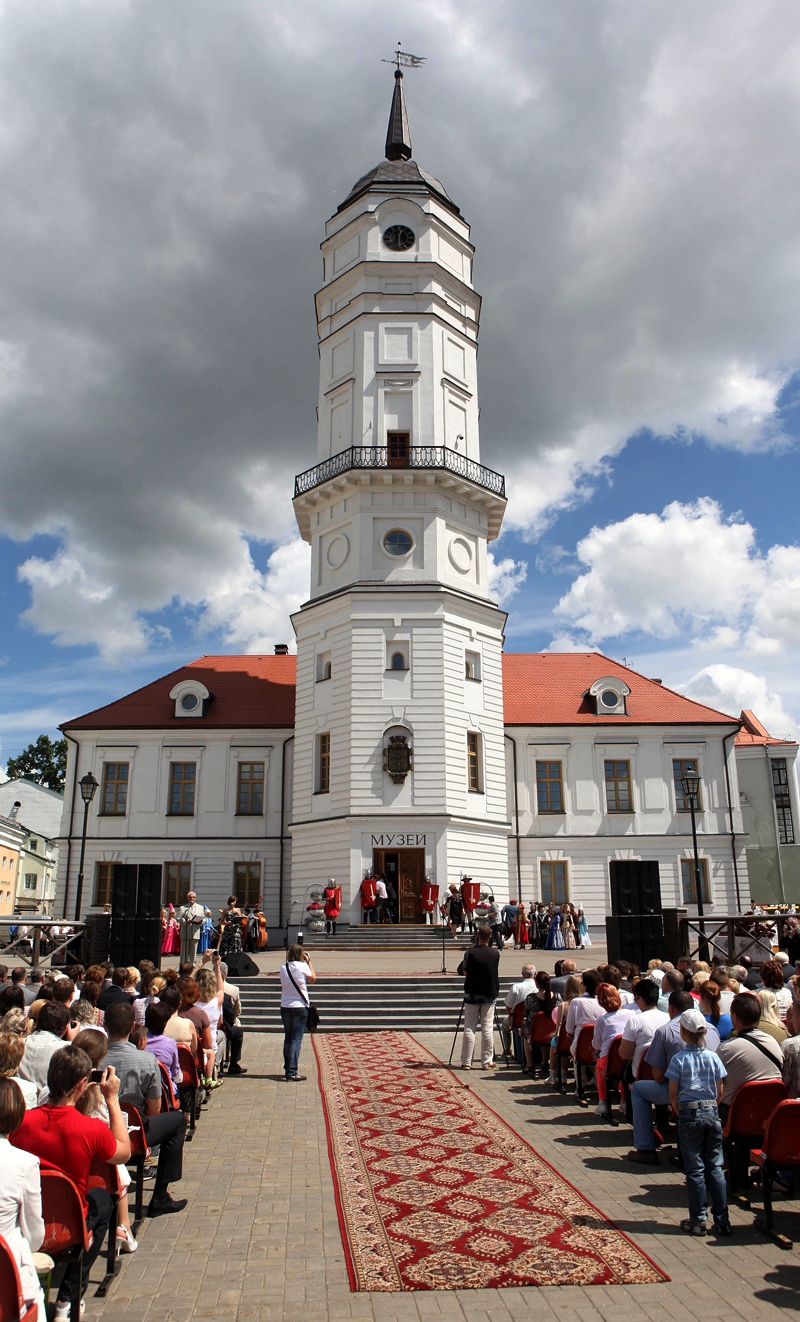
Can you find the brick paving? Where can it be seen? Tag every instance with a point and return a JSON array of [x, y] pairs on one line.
[[260, 1239]]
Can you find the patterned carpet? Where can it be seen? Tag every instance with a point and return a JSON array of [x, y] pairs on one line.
[[435, 1192]]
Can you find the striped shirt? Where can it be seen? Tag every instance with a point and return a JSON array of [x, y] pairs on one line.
[[697, 1072]]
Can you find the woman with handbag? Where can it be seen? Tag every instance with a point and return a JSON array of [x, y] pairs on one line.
[[295, 974]]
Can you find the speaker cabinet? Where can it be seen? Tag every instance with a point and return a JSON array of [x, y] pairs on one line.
[[635, 937], [241, 965], [635, 887], [124, 890]]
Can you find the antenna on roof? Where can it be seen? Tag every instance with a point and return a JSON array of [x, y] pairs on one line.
[[402, 59]]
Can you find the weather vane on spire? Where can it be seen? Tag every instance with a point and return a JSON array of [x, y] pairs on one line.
[[402, 60]]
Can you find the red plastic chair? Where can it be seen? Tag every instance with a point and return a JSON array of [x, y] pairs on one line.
[[66, 1237], [12, 1306], [104, 1176], [615, 1068], [750, 1110], [780, 1149], [189, 1087], [140, 1151], [542, 1029], [645, 1071], [563, 1058], [169, 1101], [584, 1057]]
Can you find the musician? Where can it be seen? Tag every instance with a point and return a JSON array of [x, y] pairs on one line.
[[231, 925], [190, 918]]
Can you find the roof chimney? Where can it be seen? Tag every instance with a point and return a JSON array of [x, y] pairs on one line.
[[12, 816], [281, 649]]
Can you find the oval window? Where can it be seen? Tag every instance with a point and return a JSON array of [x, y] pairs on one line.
[[609, 698], [189, 701], [397, 542]]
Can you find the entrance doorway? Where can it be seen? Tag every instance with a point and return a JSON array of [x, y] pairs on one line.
[[404, 869]]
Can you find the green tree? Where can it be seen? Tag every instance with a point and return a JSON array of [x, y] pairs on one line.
[[44, 761]]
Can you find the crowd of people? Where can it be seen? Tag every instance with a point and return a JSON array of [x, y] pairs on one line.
[[688, 1036], [79, 1046], [540, 926]]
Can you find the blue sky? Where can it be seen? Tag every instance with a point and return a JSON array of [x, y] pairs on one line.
[[631, 179]]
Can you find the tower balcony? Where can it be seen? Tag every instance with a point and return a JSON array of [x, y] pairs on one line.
[[414, 457]]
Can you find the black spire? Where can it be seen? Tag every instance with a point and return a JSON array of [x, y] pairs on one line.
[[398, 135]]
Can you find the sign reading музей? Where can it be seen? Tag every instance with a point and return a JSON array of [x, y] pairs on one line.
[[399, 840]]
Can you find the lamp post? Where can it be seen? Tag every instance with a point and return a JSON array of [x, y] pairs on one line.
[[88, 787], [691, 787]]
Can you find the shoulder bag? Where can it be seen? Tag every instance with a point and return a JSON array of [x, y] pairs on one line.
[[312, 1023]]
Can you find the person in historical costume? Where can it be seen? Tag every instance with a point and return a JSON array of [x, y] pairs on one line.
[[542, 925], [555, 939], [333, 905], [206, 934], [453, 908], [520, 928], [231, 924], [584, 939], [567, 928], [171, 933]]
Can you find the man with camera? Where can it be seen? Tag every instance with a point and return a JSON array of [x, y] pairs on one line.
[[480, 969]]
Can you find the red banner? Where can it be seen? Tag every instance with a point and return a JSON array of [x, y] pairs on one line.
[[368, 892], [430, 895], [470, 894]]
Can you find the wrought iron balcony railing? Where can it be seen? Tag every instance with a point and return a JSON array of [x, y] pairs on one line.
[[418, 456]]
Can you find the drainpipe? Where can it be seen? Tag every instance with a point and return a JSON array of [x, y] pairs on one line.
[[730, 817], [71, 819], [771, 789], [513, 743], [282, 829]]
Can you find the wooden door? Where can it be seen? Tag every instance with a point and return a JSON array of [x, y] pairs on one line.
[[411, 874], [397, 447]]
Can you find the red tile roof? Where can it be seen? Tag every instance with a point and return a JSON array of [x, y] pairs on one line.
[[539, 688], [246, 691], [753, 733], [550, 688]]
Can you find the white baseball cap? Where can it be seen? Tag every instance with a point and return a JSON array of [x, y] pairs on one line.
[[693, 1021]]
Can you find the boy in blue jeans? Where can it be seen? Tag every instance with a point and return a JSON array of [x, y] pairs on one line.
[[695, 1087]]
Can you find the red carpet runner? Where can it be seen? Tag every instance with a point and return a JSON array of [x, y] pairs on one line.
[[435, 1192]]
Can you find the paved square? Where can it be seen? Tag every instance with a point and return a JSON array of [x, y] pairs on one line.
[[260, 1239]]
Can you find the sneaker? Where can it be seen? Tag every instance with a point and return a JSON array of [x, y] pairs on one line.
[[600, 1110], [643, 1156], [723, 1227], [696, 1228], [125, 1241], [61, 1313]]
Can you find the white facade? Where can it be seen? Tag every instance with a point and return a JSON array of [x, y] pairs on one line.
[[38, 810]]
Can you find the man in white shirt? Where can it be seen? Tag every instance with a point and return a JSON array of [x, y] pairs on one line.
[[585, 1009], [639, 1030], [381, 896], [515, 996], [46, 1039]]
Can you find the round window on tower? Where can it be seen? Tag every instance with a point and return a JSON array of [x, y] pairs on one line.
[[397, 542], [398, 238], [189, 701], [609, 698]]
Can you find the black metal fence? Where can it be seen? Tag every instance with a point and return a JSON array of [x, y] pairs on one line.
[[418, 456]]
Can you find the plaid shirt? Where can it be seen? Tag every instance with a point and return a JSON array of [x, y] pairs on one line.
[[697, 1072], [791, 1066]]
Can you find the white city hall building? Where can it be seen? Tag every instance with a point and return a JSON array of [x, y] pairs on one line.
[[401, 738]]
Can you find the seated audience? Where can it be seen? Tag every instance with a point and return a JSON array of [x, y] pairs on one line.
[[12, 998], [647, 1093], [640, 1028], [152, 986], [559, 980], [585, 1009], [770, 1021], [93, 1103], [45, 1040], [710, 1007], [772, 979], [59, 1134], [540, 1001], [117, 990], [140, 1085], [21, 1222], [671, 980], [721, 977], [182, 1031], [610, 973], [749, 1054], [165, 1049], [12, 1049]]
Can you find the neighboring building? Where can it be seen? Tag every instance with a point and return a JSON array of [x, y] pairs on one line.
[[404, 740], [12, 837], [767, 770], [38, 810]]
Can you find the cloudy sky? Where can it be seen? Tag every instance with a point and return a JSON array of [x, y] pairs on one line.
[[630, 172]]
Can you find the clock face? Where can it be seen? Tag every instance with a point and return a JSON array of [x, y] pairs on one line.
[[398, 238]]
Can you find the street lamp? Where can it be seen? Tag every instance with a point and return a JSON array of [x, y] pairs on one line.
[[89, 787], [691, 788]]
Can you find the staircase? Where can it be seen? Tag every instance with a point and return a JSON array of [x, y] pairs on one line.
[[384, 936], [364, 1004]]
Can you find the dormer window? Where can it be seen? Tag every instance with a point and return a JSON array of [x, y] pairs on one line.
[[609, 694], [190, 698]]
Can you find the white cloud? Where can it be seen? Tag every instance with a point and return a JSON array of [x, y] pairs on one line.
[[688, 569], [732, 689], [505, 578]]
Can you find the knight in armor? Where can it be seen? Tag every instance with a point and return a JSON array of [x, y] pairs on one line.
[[333, 905]]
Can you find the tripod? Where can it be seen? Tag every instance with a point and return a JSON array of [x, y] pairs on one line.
[[455, 1035]]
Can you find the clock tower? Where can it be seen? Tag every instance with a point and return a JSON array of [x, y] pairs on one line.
[[399, 754]]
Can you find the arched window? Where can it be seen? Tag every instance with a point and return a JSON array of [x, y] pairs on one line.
[[326, 670], [398, 661]]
